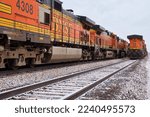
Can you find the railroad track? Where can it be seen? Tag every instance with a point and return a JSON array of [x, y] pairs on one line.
[[67, 87]]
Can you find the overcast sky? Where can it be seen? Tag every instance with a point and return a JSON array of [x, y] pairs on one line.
[[123, 17]]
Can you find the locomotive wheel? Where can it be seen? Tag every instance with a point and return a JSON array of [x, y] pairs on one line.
[[30, 62], [21, 58], [12, 64], [84, 55], [89, 57]]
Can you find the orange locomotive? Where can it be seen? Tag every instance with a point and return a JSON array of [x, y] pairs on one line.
[[107, 44], [137, 47], [24, 32], [40, 31]]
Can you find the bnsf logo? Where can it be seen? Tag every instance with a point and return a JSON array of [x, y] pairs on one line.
[[24, 6]]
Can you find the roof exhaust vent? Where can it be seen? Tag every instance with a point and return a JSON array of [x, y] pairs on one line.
[[70, 10]]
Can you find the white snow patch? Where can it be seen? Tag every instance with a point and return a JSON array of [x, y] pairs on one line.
[[148, 77]]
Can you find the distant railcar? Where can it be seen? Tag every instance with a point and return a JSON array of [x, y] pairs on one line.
[[137, 47], [122, 47]]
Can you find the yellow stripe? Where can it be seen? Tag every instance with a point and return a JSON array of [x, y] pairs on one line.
[[57, 12], [45, 6], [47, 32], [65, 39], [58, 36], [22, 26], [41, 31], [7, 23], [5, 8], [52, 36], [33, 29]]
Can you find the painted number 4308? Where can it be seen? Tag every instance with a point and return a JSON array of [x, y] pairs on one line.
[[24, 6]]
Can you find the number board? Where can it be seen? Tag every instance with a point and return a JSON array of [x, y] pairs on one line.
[[26, 8]]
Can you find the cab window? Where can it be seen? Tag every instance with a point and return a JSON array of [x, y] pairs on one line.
[[44, 15]]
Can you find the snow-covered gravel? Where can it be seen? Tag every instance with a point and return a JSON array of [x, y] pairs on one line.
[[133, 83], [148, 76], [26, 77], [60, 90]]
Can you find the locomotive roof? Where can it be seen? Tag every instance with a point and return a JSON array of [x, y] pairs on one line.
[[99, 28], [59, 1], [108, 32], [135, 36], [69, 14], [86, 20]]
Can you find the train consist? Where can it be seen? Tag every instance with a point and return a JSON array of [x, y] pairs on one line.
[[34, 32], [137, 49]]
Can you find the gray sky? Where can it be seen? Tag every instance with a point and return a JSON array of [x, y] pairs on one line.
[[123, 17]]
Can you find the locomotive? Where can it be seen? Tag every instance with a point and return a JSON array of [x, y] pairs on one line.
[[34, 32], [137, 49]]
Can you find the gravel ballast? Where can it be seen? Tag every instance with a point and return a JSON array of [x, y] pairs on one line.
[[133, 83], [13, 79]]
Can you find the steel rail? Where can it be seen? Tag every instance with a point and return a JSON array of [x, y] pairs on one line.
[[85, 89], [20, 90]]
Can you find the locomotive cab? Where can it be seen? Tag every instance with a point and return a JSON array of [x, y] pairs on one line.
[[137, 47]]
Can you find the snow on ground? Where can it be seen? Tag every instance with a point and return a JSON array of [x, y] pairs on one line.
[[148, 76], [133, 83], [22, 77]]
